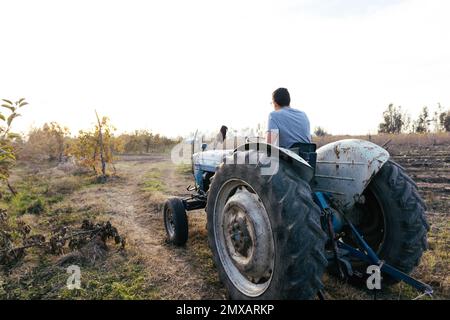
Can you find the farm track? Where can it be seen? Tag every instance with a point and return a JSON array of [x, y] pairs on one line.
[[174, 271]]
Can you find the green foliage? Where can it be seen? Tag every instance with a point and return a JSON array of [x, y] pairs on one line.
[[7, 153]]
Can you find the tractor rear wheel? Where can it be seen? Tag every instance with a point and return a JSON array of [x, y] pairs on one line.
[[264, 232], [392, 220]]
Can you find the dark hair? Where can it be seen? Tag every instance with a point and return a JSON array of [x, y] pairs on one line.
[[223, 131], [282, 97]]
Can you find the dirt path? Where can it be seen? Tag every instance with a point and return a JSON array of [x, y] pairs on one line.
[[176, 272]]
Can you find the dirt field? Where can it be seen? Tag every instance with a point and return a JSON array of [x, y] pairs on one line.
[[150, 268]]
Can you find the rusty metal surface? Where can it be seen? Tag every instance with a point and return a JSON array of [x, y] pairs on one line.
[[345, 168]]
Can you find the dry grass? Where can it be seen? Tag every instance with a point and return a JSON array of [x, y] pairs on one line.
[[64, 185]]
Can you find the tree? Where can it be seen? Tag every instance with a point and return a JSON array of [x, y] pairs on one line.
[[442, 119], [147, 139], [445, 120], [48, 142], [422, 124], [320, 132], [132, 142], [393, 120], [94, 148], [7, 152]]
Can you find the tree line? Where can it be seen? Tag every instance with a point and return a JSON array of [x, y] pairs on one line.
[[395, 120]]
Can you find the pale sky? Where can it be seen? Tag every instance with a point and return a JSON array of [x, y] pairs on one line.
[[175, 65]]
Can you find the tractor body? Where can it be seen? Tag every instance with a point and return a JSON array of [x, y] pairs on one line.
[[342, 189]]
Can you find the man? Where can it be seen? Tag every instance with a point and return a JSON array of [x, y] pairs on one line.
[[287, 125]]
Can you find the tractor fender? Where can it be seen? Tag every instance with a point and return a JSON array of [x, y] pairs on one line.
[[345, 168], [275, 154]]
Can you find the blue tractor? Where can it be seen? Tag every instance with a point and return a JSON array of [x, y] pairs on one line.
[[278, 218]]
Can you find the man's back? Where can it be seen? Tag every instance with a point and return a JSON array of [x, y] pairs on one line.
[[292, 125]]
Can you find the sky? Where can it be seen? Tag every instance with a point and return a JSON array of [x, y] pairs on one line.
[[173, 66]]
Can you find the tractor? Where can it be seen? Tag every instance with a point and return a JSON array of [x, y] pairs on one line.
[[278, 218]]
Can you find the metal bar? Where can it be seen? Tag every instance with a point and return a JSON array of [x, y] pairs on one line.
[[330, 191], [419, 285], [194, 204], [388, 269], [371, 254], [342, 162], [334, 177]]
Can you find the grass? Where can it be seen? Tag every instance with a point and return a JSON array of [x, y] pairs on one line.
[[153, 182], [25, 202], [201, 253]]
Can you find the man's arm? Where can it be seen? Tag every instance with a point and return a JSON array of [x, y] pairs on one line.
[[272, 137], [272, 132]]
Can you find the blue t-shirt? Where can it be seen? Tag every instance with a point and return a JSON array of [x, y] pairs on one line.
[[292, 125]]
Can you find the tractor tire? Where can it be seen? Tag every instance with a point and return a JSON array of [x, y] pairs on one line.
[[175, 221], [400, 235], [264, 232]]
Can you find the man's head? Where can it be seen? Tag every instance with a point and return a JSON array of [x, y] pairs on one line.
[[281, 98]]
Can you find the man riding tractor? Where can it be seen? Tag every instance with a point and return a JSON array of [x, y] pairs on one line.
[[280, 213]]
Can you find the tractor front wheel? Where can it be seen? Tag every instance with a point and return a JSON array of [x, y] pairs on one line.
[[175, 221]]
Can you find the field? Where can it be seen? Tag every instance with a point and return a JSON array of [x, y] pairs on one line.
[[149, 267]]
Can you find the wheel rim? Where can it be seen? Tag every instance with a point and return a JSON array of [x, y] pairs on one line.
[[170, 225], [243, 237]]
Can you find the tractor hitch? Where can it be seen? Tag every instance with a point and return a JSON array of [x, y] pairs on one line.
[[363, 253]]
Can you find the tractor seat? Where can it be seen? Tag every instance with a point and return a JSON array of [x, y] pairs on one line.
[[307, 151]]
